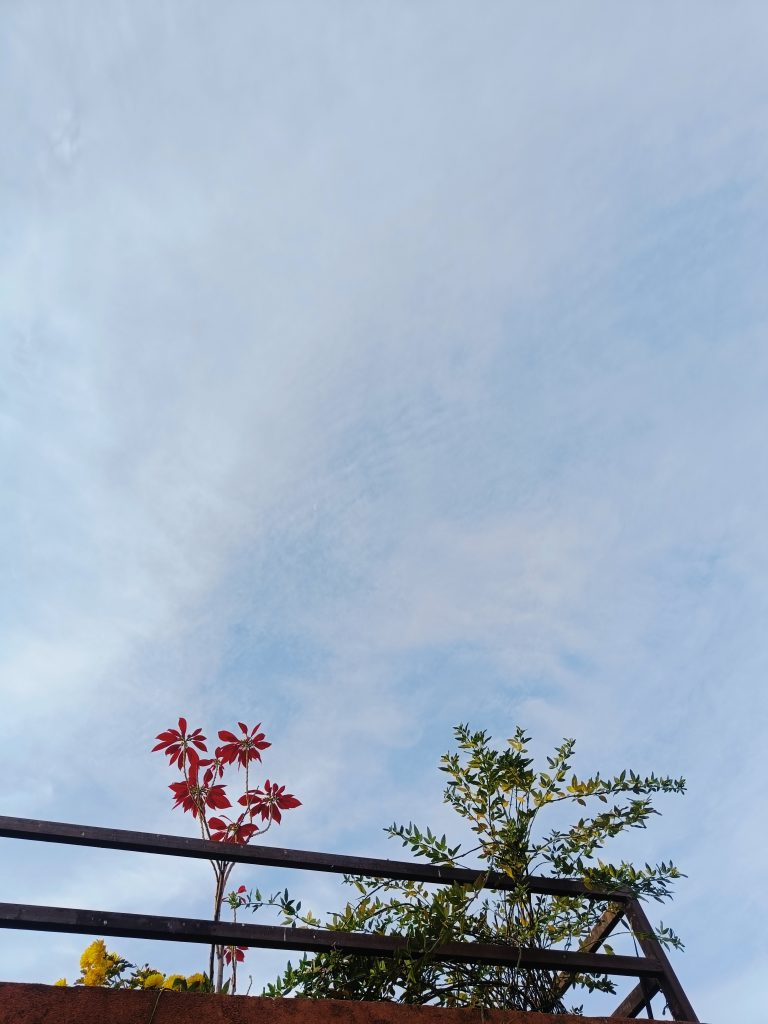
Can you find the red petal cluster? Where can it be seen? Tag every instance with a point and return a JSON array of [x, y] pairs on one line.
[[183, 746], [235, 952], [180, 745], [269, 802], [223, 830], [243, 749], [192, 796], [213, 766]]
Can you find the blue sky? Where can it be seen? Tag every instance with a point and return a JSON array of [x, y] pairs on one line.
[[370, 368]]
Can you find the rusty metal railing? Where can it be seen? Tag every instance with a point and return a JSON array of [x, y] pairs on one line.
[[653, 970]]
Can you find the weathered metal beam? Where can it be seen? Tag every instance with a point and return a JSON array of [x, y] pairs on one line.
[[654, 970], [602, 929], [642, 929], [313, 940], [201, 849], [638, 998], [610, 919]]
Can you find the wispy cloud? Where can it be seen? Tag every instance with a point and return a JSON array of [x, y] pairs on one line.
[[371, 371]]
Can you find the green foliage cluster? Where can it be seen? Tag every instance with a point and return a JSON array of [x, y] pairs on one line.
[[505, 802]]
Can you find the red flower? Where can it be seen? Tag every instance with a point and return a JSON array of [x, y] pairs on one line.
[[214, 766], [235, 952], [186, 796], [226, 831], [269, 801], [243, 748], [179, 746], [191, 796]]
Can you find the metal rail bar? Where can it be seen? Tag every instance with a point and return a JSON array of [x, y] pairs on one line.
[[654, 969], [271, 856], [602, 929], [638, 999], [642, 929], [315, 940]]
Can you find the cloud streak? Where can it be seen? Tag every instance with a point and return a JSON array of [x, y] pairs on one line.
[[374, 372]]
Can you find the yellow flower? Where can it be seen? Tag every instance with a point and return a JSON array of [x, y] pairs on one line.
[[175, 981], [97, 965], [94, 954], [197, 980], [61, 981], [154, 980], [95, 975]]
